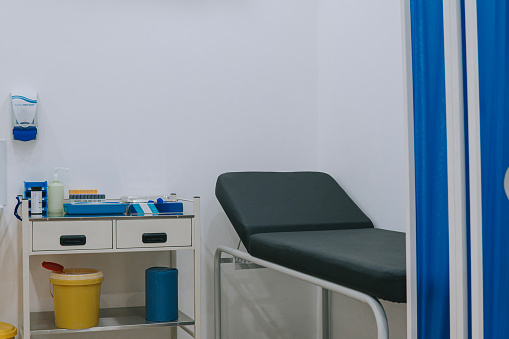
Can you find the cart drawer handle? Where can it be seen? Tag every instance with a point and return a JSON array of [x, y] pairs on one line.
[[73, 240], [154, 238]]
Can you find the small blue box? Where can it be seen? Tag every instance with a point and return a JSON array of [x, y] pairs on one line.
[[175, 208], [44, 188], [161, 294], [166, 208]]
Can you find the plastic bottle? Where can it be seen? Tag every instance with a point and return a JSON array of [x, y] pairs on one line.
[[56, 194]]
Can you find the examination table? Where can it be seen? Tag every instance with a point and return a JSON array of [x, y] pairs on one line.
[[305, 225]]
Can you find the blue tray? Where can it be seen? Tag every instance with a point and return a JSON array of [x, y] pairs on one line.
[[95, 208]]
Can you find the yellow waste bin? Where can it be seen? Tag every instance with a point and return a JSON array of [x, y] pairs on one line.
[[76, 295], [7, 331]]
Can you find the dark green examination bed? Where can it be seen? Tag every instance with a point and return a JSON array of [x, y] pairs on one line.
[[305, 225]]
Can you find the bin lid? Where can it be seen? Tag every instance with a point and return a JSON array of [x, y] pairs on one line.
[[7, 331], [71, 276], [161, 269]]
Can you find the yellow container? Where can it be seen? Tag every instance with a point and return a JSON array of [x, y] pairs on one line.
[[76, 294], [7, 331]]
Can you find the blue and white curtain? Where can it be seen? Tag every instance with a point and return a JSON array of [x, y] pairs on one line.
[[431, 190], [431, 184], [493, 42]]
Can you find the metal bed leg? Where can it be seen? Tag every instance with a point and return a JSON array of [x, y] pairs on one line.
[[325, 313], [381, 318], [377, 308], [217, 294]]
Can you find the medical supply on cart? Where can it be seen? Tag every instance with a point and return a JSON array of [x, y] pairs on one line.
[[170, 207], [86, 196], [36, 193], [36, 199], [95, 208], [143, 208], [150, 198], [56, 193], [154, 204], [162, 207], [24, 120]]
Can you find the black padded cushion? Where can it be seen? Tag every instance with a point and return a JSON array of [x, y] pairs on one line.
[[262, 202], [368, 260]]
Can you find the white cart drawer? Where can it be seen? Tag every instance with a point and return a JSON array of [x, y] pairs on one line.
[[75, 235], [153, 233]]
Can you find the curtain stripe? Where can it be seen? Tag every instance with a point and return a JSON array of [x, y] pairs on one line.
[[431, 169], [493, 52]]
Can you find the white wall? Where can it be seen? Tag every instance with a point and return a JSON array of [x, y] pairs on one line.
[[3, 175], [361, 129], [361, 105], [162, 96]]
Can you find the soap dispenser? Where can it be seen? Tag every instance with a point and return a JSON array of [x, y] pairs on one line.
[[56, 193]]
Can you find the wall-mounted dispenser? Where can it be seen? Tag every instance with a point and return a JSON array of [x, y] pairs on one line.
[[24, 118]]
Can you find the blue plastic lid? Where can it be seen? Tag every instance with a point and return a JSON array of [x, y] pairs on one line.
[[160, 269]]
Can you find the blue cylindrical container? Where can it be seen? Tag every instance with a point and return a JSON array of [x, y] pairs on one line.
[[161, 294]]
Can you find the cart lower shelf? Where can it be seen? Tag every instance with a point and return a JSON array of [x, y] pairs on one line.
[[110, 319]]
